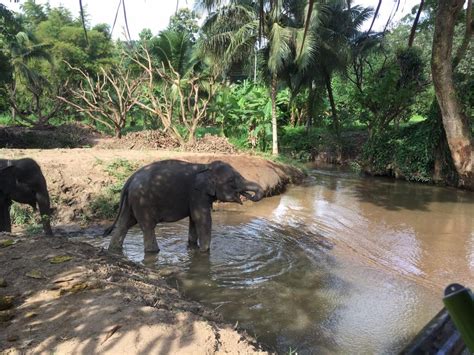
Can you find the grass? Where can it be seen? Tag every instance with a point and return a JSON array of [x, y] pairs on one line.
[[25, 217], [105, 205], [5, 120]]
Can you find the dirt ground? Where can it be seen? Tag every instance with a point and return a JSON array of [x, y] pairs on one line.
[[63, 296], [67, 297]]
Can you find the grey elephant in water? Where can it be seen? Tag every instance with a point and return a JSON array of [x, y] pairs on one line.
[[22, 181], [170, 190]]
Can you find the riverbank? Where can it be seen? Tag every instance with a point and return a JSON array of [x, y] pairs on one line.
[[63, 296], [66, 296]]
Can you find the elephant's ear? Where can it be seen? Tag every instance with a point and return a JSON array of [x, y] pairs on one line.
[[204, 182]]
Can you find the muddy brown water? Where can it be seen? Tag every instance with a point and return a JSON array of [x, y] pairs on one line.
[[340, 264]]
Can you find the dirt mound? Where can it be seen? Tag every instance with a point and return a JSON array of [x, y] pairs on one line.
[[212, 144], [71, 135], [68, 297], [157, 139], [142, 140], [77, 135]]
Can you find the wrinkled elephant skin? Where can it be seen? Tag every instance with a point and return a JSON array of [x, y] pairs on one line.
[[170, 190], [22, 181]]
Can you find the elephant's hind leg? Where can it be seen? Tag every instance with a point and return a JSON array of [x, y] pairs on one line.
[[5, 221], [125, 222], [193, 237], [149, 238]]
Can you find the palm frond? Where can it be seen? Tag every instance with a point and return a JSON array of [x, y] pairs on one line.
[[242, 41], [305, 50], [280, 50]]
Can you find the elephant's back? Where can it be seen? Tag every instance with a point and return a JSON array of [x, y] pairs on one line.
[[173, 166], [164, 179]]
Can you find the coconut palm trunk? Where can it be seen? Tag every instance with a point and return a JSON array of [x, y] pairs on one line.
[[274, 84]]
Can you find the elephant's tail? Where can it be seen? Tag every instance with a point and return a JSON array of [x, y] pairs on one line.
[[123, 200]]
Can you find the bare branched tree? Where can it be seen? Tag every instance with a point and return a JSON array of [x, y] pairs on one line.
[[106, 99], [176, 99]]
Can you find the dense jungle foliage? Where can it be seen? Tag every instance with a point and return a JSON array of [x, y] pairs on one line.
[[336, 89]]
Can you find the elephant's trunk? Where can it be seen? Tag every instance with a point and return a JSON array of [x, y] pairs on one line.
[[252, 187]]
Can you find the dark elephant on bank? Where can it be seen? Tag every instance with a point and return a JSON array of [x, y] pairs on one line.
[[170, 190], [22, 181]]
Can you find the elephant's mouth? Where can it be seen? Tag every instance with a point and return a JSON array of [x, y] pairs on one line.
[[238, 196], [247, 195], [251, 191]]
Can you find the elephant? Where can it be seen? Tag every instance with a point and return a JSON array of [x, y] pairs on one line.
[[170, 190], [22, 181]]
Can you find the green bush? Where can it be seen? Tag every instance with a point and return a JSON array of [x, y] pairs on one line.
[[407, 153], [22, 215], [243, 112], [105, 205], [25, 216], [298, 142]]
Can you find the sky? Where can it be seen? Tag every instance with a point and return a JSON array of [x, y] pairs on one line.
[[155, 14]]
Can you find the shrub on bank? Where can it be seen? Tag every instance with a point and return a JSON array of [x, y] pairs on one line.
[[408, 153]]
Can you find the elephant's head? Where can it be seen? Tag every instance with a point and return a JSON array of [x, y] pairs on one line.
[[7, 179], [224, 183]]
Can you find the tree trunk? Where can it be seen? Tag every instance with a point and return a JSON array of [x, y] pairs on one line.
[[337, 126], [335, 118], [415, 24], [292, 118], [467, 35], [309, 105], [255, 66], [274, 115], [118, 132], [455, 122], [12, 97]]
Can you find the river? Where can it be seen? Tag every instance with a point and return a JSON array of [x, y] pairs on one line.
[[340, 264]]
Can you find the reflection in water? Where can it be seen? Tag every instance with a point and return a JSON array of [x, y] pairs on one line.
[[342, 264]]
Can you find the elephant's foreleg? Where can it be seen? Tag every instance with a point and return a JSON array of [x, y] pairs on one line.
[[203, 224], [193, 237], [45, 211]]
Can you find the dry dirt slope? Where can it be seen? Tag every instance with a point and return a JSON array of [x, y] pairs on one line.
[[68, 297]]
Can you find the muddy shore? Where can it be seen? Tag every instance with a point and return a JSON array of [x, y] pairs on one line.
[[65, 296], [62, 296]]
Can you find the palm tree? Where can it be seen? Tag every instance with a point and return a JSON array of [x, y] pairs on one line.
[[232, 32], [335, 36], [24, 51], [173, 48]]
